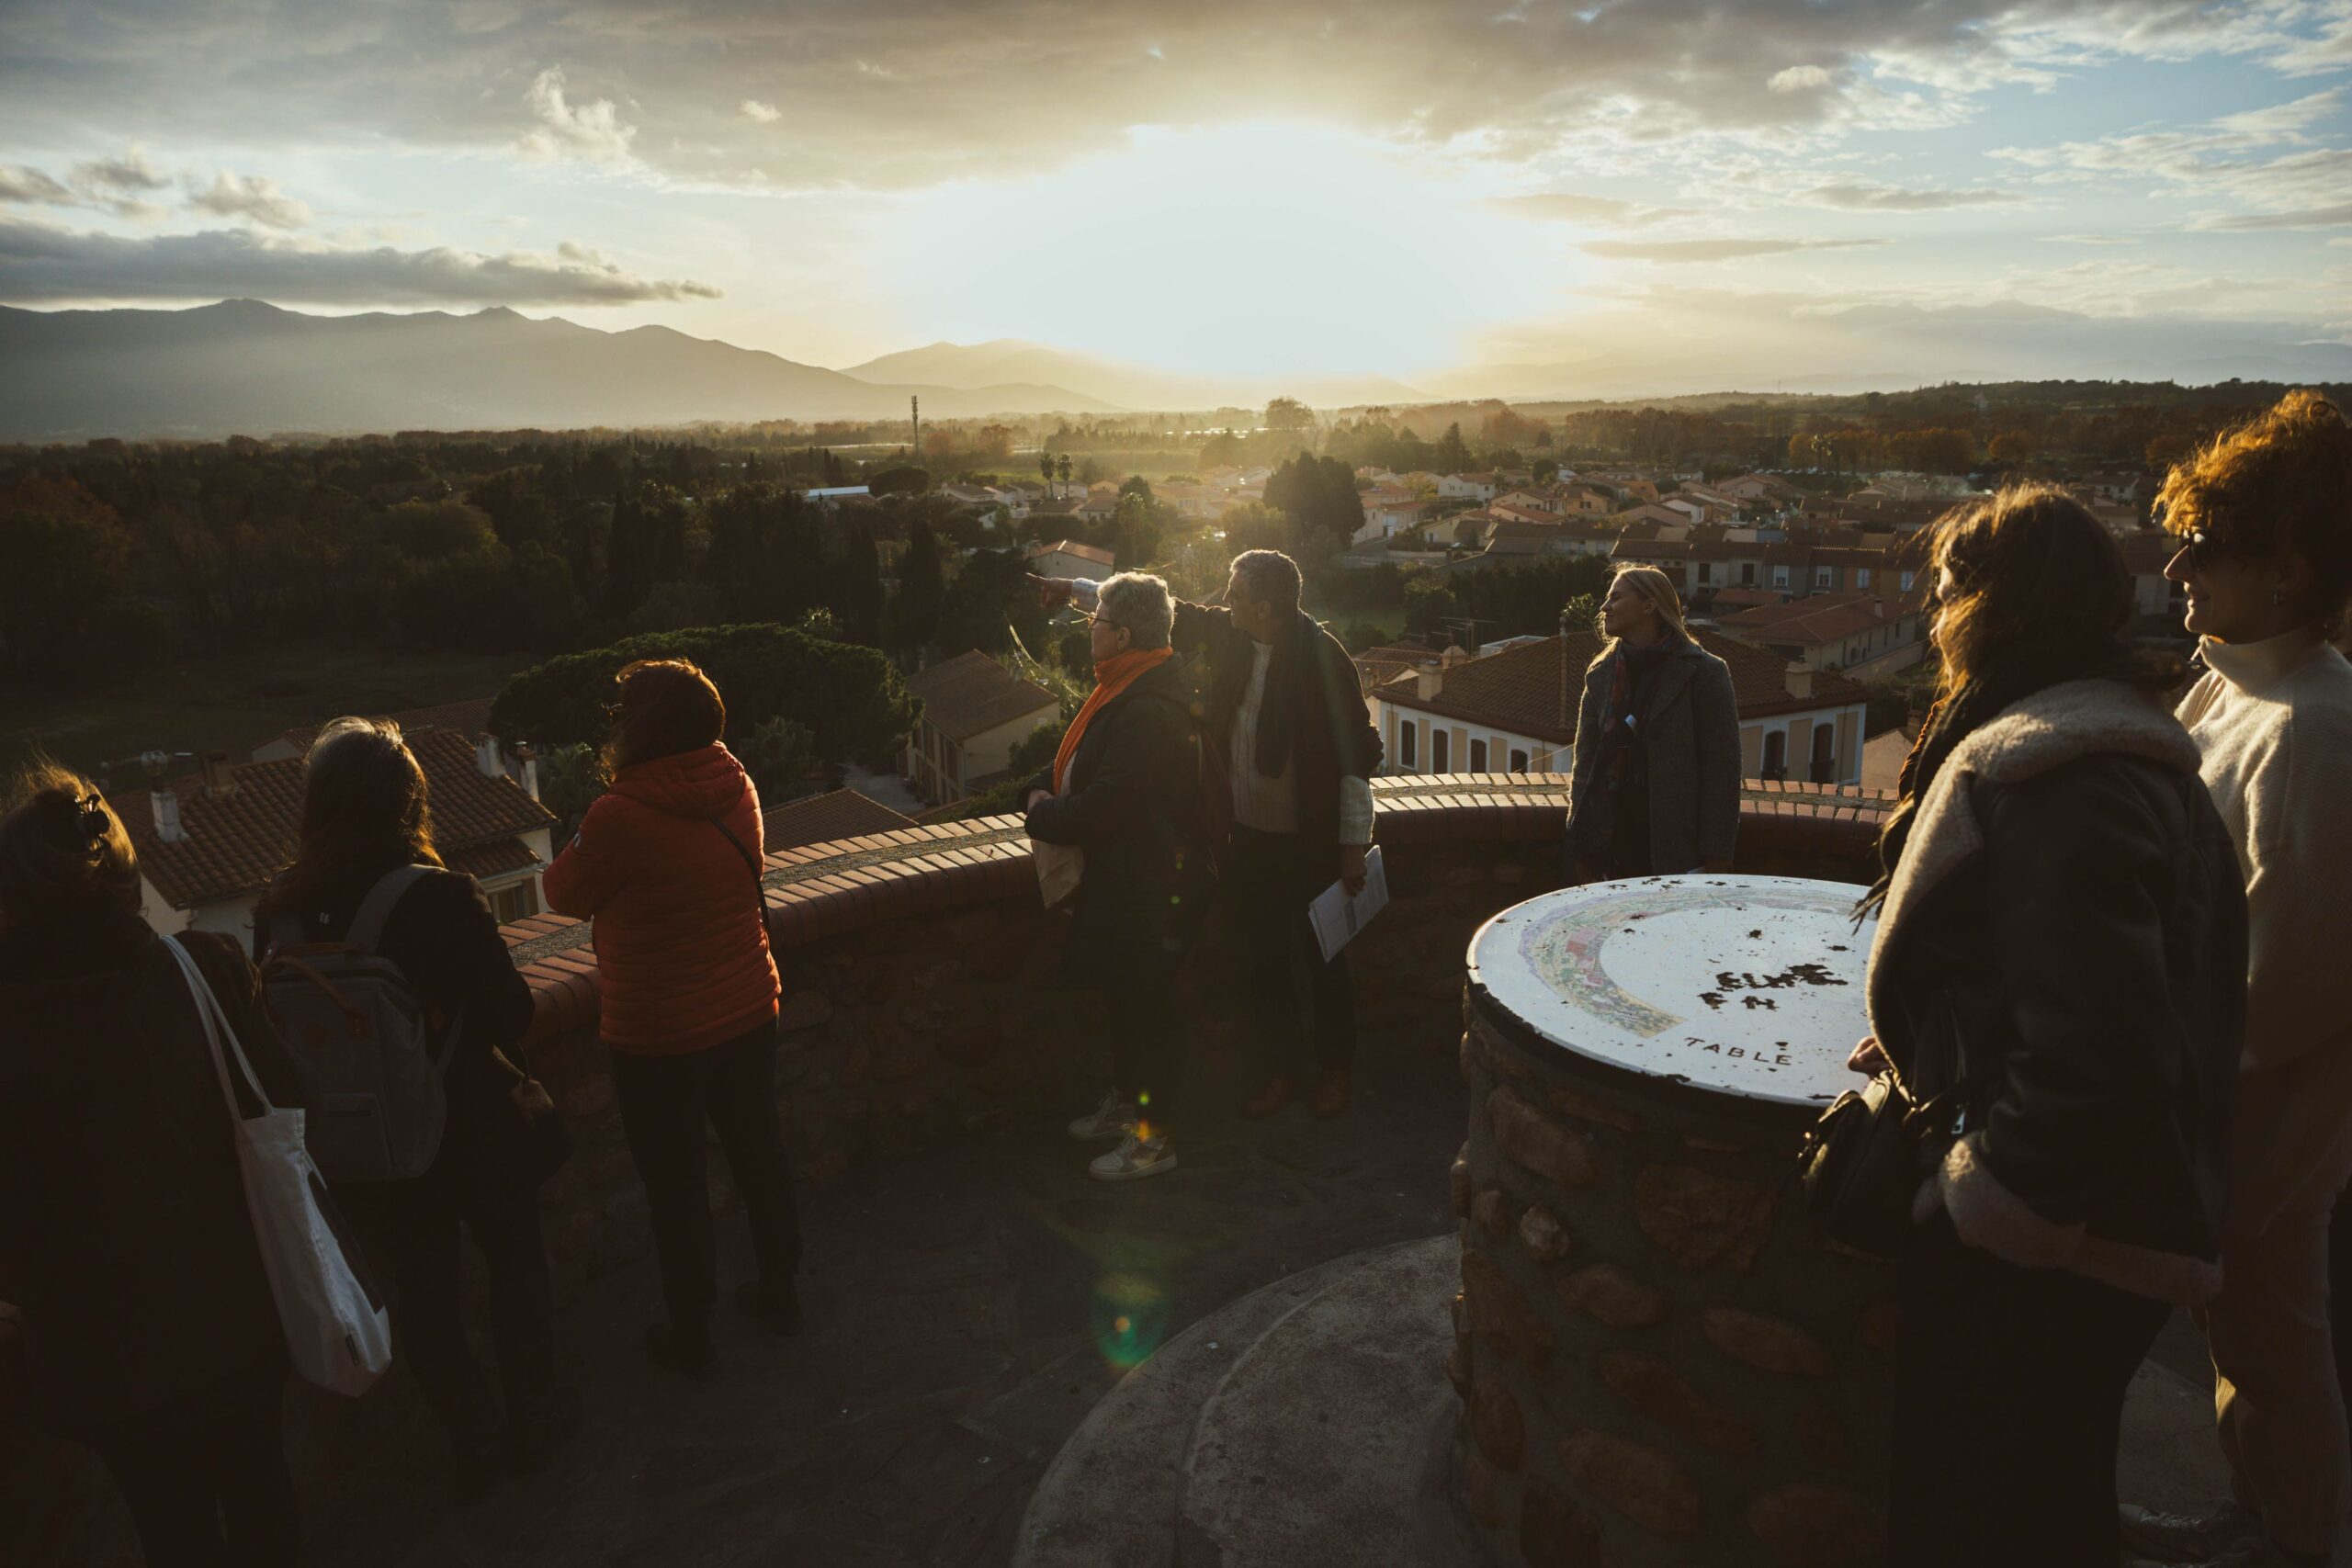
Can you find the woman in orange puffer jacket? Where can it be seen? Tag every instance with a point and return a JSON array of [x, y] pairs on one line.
[[668, 862]]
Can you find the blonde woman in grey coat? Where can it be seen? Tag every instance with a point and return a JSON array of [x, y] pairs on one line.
[[1655, 787]]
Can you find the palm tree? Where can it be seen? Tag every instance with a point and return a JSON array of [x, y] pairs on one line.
[[1064, 472], [1046, 466]]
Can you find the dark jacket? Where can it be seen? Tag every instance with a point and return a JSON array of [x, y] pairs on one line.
[[1132, 803], [446, 941], [1688, 729], [2067, 930], [682, 934], [124, 1234], [1313, 709]]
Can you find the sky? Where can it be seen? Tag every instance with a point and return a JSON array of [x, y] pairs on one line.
[[1443, 193]]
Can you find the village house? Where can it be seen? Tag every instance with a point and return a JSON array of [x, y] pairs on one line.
[[1068, 557], [1515, 711], [1467, 487], [209, 842], [1862, 634], [1390, 514], [974, 712], [1750, 488], [1580, 500]]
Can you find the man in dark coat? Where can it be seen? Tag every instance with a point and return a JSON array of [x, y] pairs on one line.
[[1298, 750]]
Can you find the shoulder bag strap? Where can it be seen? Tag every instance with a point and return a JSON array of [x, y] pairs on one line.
[[368, 925], [759, 883], [219, 1035]]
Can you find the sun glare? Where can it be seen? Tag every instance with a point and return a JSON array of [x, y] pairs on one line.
[[1255, 249]]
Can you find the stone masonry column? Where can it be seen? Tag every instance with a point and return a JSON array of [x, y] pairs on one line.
[[1660, 1360]]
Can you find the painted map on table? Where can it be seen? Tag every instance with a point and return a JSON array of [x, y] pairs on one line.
[[1753, 985]]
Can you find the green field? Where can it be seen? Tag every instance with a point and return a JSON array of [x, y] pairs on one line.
[[234, 702]]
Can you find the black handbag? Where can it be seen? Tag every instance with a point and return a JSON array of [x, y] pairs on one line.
[[1861, 1165]]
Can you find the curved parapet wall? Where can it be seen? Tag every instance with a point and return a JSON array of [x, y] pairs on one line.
[[833, 889]]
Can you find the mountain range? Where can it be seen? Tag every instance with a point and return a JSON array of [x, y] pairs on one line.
[[244, 367], [241, 366]]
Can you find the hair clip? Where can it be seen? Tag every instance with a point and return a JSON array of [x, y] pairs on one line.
[[92, 808]]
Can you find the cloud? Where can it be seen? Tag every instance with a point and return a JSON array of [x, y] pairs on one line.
[[41, 262], [20, 182], [912, 93], [131, 172], [2091, 239], [1562, 207], [1799, 79], [1863, 195], [2337, 217], [590, 132], [258, 197], [1710, 249], [765, 114]]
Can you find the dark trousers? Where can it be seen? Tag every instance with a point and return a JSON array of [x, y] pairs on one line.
[[412, 1230], [1289, 997], [1146, 1051], [205, 1476], [664, 1101], [2008, 1403]]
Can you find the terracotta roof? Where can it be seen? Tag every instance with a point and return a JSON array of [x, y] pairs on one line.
[[1376, 666], [1809, 622], [483, 861], [821, 819], [235, 843], [972, 693], [1532, 690], [470, 717], [1072, 548]]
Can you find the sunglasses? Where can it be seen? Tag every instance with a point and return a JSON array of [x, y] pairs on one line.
[[2200, 552]]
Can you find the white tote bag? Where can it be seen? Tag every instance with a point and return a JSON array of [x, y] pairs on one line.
[[335, 1325]]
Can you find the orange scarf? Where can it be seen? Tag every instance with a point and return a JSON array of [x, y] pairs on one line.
[[1113, 675]]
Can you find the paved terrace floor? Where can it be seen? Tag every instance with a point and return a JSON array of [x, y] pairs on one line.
[[963, 1307]]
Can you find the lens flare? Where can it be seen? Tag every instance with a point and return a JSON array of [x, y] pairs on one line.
[[1130, 1318]]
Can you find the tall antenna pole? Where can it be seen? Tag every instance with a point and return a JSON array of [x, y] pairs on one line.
[[915, 409]]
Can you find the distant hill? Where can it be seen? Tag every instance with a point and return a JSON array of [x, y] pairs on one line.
[[241, 366], [1127, 385], [1881, 348]]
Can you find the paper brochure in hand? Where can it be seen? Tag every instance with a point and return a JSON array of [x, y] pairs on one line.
[[1337, 918]]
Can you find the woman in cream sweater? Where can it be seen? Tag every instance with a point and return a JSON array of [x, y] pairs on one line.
[[2265, 514]]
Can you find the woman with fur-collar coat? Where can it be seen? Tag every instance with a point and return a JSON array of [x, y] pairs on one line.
[[2062, 941]]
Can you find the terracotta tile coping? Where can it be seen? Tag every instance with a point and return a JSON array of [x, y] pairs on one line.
[[816, 891]]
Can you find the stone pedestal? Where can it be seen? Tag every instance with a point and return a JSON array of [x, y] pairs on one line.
[[1660, 1360]]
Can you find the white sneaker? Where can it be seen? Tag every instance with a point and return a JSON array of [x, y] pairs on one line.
[[2208, 1537], [1113, 1117], [1133, 1158]]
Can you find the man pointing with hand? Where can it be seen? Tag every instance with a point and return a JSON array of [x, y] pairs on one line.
[[1299, 752]]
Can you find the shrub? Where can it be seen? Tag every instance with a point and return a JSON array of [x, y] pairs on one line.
[[851, 698]]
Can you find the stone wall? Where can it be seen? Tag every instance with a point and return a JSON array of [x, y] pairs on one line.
[[920, 1002], [1659, 1362]]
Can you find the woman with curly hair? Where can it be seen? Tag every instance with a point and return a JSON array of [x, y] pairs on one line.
[[2264, 514], [2060, 958]]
